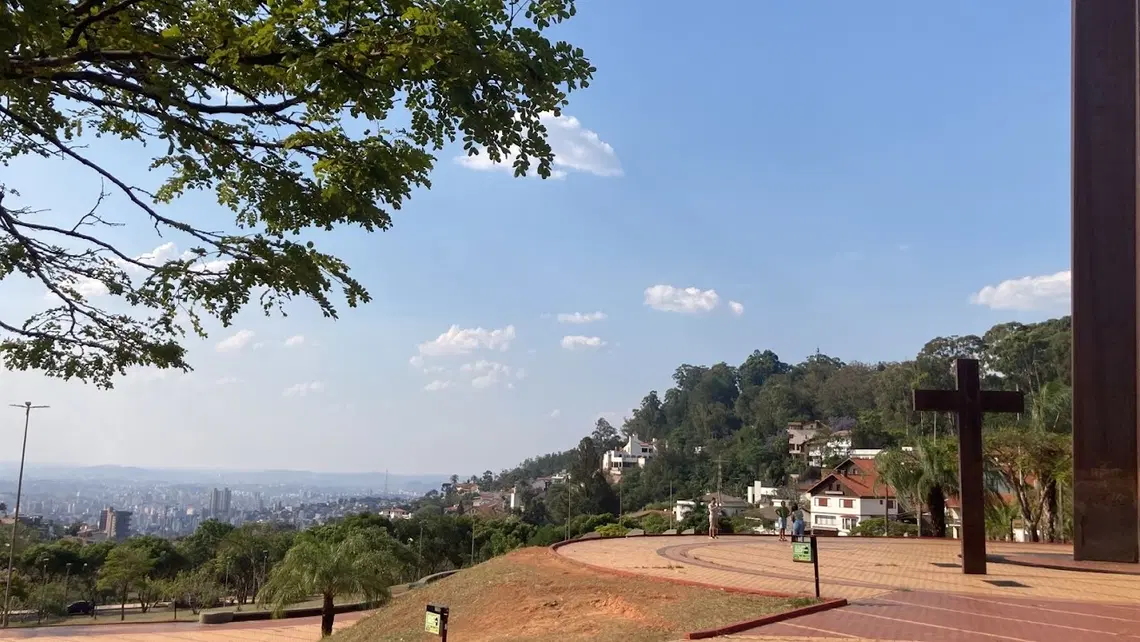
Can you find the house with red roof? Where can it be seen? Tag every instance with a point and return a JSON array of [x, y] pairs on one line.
[[848, 495]]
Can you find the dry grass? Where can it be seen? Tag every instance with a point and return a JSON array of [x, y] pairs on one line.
[[533, 594]]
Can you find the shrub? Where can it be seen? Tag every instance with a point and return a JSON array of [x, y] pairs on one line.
[[611, 530], [876, 527]]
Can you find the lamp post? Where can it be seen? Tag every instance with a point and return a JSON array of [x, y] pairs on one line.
[[66, 577], [27, 407], [43, 590]]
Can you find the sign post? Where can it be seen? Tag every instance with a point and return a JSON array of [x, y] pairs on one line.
[[435, 621], [804, 549]]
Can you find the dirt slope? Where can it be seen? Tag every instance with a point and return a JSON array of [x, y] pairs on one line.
[[533, 594]]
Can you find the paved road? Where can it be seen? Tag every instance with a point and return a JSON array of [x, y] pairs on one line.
[[307, 629]]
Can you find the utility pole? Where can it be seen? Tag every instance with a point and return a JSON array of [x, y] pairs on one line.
[[568, 489], [28, 408], [718, 474]]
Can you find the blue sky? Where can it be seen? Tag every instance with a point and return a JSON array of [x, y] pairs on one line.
[[860, 177]]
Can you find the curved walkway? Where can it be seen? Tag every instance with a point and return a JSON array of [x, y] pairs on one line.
[[899, 589]]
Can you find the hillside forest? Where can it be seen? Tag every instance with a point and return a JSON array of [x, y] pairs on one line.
[[738, 414]]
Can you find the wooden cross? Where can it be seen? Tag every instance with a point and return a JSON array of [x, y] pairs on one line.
[[968, 403]]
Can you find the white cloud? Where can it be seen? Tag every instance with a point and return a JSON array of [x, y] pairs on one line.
[[416, 361], [158, 255], [1027, 293], [466, 340], [736, 307], [578, 342], [489, 373], [555, 414], [85, 286], [227, 381], [295, 340], [436, 385], [578, 317], [575, 149], [303, 389], [667, 298], [235, 342]]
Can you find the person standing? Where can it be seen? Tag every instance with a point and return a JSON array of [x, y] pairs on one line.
[[797, 521], [714, 514], [782, 514]]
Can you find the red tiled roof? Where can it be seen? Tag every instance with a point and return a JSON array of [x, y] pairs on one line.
[[864, 482]]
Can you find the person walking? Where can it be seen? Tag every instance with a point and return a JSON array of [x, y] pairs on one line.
[[797, 521], [782, 514], [714, 514]]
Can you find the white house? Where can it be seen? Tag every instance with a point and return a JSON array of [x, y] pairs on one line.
[[848, 495], [836, 444], [800, 433], [634, 453], [681, 508], [729, 506], [396, 513], [759, 494]]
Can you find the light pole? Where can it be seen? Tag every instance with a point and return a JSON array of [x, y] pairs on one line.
[[66, 577], [27, 407], [43, 589]]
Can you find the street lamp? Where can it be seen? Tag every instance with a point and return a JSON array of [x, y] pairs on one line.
[[27, 407], [43, 590]]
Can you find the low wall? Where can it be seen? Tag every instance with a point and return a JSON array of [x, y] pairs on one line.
[[225, 616]]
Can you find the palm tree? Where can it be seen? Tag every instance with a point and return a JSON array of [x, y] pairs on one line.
[[897, 469], [329, 567], [923, 476], [937, 478], [999, 520]]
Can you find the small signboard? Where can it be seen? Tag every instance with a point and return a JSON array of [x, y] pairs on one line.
[[804, 549], [435, 620], [801, 552]]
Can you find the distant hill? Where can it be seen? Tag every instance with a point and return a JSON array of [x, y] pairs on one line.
[[375, 481]]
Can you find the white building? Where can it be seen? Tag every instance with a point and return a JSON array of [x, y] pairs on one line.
[[800, 433], [634, 453], [759, 494], [828, 445], [849, 495], [681, 508], [729, 506]]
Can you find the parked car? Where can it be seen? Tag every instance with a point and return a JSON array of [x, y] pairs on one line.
[[80, 608]]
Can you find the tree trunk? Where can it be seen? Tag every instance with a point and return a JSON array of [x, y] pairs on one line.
[[1027, 518], [327, 616], [1049, 510], [937, 503], [123, 606]]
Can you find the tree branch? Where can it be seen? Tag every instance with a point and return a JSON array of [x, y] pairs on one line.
[[91, 19]]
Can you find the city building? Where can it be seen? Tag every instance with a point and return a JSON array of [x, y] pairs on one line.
[[220, 502], [115, 524], [634, 453], [850, 494]]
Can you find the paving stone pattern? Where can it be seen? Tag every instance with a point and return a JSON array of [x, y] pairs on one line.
[[900, 589]]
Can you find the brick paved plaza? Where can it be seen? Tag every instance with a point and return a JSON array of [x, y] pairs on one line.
[[899, 589]]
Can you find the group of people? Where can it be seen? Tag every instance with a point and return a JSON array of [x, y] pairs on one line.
[[783, 514]]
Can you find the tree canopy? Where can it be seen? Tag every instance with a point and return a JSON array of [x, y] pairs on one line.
[[296, 117]]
